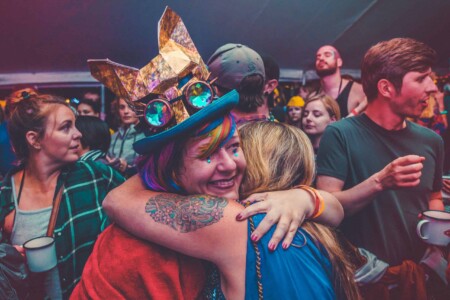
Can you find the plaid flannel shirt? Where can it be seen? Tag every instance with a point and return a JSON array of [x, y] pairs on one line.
[[80, 218]]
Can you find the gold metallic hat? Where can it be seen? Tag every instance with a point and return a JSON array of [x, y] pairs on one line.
[[159, 91], [177, 58]]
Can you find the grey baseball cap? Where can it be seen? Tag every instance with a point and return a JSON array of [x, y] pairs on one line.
[[232, 62]]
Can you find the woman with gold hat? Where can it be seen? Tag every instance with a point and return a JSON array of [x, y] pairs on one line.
[[192, 148]]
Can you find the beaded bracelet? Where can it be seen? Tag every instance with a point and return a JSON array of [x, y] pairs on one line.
[[319, 204]]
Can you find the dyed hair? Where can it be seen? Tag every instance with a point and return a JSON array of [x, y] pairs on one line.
[[391, 60], [30, 114], [281, 158], [160, 169], [95, 133]]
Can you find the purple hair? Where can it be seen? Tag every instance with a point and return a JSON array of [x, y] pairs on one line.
[[159, 169]]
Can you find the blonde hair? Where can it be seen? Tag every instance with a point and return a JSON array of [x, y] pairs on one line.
[[274, 165], [282, 157], [330, 104]]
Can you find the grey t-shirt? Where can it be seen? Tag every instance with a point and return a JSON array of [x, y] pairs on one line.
[[355, 148]]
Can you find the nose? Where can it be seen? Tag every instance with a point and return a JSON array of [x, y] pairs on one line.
[[77, 134], [431, 87], [225, 161]]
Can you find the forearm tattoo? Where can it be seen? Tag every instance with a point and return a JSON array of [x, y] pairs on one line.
[[185, 213]]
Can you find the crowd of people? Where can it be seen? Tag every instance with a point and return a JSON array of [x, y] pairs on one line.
[[207, 190]]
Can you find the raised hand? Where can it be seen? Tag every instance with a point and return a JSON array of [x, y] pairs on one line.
[[404, 171]]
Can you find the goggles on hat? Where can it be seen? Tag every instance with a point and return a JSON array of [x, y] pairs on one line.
[[158, 113]]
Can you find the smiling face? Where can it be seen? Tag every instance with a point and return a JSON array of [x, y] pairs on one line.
[[413, 96], [61, 140], [218, 175], [127, 115], [316, 118]]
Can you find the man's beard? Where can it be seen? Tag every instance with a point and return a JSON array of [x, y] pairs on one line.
[[326, 72]]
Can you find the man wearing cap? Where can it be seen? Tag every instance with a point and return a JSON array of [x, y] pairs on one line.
[[348, 94], [238, 67]]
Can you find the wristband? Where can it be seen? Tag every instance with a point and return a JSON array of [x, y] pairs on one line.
[[319, 204], [444, 112], [354, 112]]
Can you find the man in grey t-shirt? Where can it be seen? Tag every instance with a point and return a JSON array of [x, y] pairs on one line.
[[383, 169]]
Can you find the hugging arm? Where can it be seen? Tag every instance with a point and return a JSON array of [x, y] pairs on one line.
[[199, 225], [288, 209]]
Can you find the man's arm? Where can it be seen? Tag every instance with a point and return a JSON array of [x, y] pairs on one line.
[[357, 100], [402, 172], [436, 202]]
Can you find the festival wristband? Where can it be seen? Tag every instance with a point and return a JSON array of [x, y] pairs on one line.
[[319, 204], [354, 112]]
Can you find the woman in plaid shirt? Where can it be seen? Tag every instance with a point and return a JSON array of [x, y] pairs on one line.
[[46, 142]]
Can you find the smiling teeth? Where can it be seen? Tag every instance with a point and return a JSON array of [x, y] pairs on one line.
[[223, 183]]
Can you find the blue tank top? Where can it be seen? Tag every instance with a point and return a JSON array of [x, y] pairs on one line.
[[295, 273]]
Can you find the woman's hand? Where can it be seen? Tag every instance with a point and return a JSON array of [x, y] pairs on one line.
[[288, 209], [20, 249]]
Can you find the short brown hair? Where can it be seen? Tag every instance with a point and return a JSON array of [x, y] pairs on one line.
[[391, 60], [30, 114]]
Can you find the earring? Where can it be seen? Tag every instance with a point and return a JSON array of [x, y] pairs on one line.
[[208, 160], [236, 154]]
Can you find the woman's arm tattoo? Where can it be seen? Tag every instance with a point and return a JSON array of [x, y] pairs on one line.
[[185, 213]]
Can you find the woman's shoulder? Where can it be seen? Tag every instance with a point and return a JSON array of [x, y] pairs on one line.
[[89, 169]]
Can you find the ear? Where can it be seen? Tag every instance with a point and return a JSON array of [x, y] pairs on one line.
[[270, 86], [385, 88], [333, 119], [339, 62], [33, 139]]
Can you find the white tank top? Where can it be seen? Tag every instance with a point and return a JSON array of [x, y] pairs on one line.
[[29, 224]]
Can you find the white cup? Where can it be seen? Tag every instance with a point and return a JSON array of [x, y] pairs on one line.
[[434, 228], [40, 253]]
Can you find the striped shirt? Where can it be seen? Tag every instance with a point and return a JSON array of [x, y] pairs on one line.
[[80, 218]]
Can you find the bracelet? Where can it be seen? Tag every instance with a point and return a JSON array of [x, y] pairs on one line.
[[444, 112], [354, 112], [319, 204]]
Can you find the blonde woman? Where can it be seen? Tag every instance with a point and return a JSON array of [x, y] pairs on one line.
[[314, 268], [319, 111], [274, 166]]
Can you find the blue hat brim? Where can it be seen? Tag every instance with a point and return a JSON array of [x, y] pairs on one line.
[[213, 111]]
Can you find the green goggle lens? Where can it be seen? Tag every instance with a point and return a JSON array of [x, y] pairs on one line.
[[158, 113], [199, 95]]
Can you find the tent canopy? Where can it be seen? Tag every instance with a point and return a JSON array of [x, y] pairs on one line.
[[45, 38]]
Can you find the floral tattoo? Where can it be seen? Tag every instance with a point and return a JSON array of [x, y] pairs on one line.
[[185, 213]]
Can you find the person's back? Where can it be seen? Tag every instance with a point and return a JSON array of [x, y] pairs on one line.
[[314, 267]]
